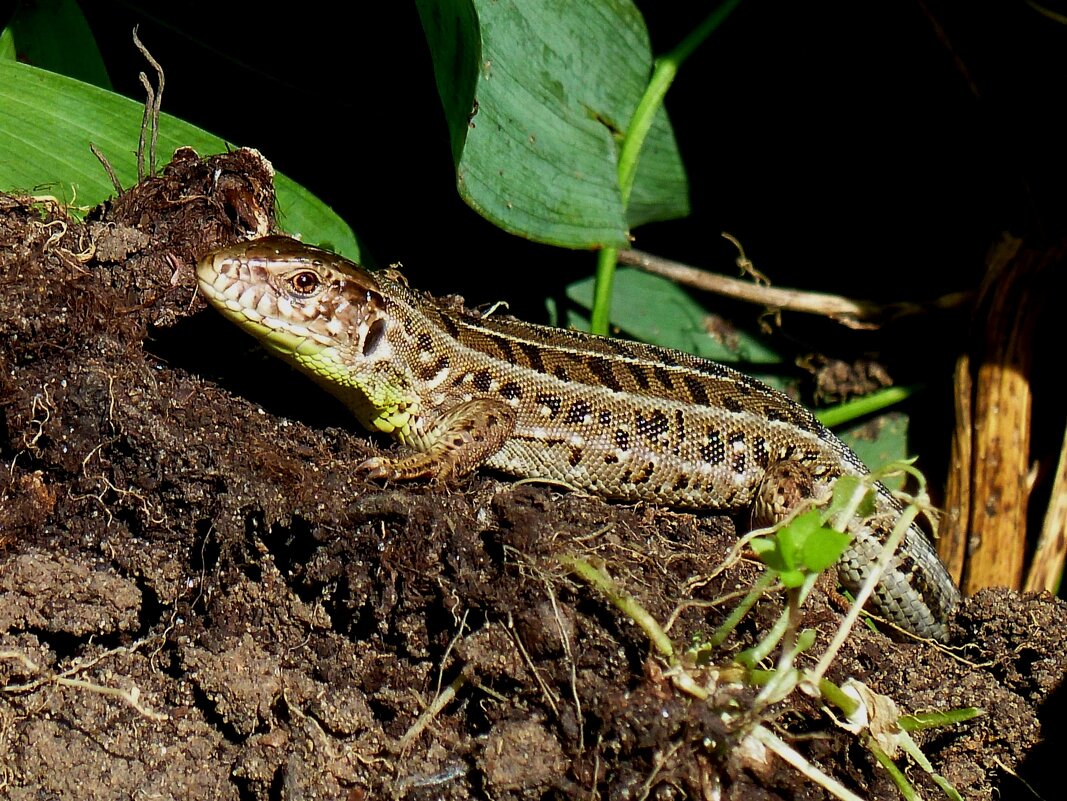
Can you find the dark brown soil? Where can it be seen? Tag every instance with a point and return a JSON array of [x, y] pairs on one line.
[[200, 598]]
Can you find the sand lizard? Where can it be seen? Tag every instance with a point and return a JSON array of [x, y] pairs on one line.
[[620, 419]]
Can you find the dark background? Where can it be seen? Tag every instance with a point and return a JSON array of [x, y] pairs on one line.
[[872, 149]]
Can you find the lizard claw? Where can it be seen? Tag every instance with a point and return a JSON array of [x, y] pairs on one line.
[[377, 468]]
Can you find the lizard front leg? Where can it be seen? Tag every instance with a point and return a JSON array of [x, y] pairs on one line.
[[454, 445]]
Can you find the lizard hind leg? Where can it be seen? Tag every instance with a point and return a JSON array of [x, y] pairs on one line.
[[455, 444], [785, 486]]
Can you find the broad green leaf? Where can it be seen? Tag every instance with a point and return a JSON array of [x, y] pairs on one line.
[[804, 546], [793, 537], [537, 94], [880, 441], [7, 45], [47, 122], [799, 530], [653, 309], [53, 35]]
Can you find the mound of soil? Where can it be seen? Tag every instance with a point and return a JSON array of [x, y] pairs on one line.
[[201, 598]]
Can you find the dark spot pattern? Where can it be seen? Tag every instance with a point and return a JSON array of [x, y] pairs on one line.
[[640, 375], [663, 376], [577, 412], [540, 441], [713, 449], [622, 439], [644, 473], [760, 452], [603, 370], [553, 402], [432, 369], [533, 356], [450, 326], [506, 348], [732, 404], [511, 390], [652, 427]]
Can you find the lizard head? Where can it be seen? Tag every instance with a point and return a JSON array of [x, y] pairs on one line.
[[297, 300], [326, 316]]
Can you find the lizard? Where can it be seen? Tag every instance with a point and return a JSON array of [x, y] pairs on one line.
[[620, 419]]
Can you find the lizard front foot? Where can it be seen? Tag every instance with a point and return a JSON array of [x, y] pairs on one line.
[[455, 445]]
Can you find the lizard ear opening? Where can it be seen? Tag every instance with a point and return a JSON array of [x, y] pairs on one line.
[[374, 336]]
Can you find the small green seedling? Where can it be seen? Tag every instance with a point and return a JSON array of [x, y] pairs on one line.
[[804, 547]]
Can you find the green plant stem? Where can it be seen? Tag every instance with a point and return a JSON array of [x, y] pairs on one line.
[[750, 657], [835, 695], [600, 314], [899, 779], [929, 720], [763, 583], [663, 74], [868, 404], [911, 749], [624, 602]]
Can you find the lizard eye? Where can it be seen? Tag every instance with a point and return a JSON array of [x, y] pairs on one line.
[[305, 282]]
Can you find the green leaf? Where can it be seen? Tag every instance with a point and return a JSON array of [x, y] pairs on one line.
[[537, 95], [654, 309], [793, 537], [880, 441], [47, 122], [802, 547], [823, 548], [53, 35], [766, 549], [7, 45], [792, 578], [844, 488]]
